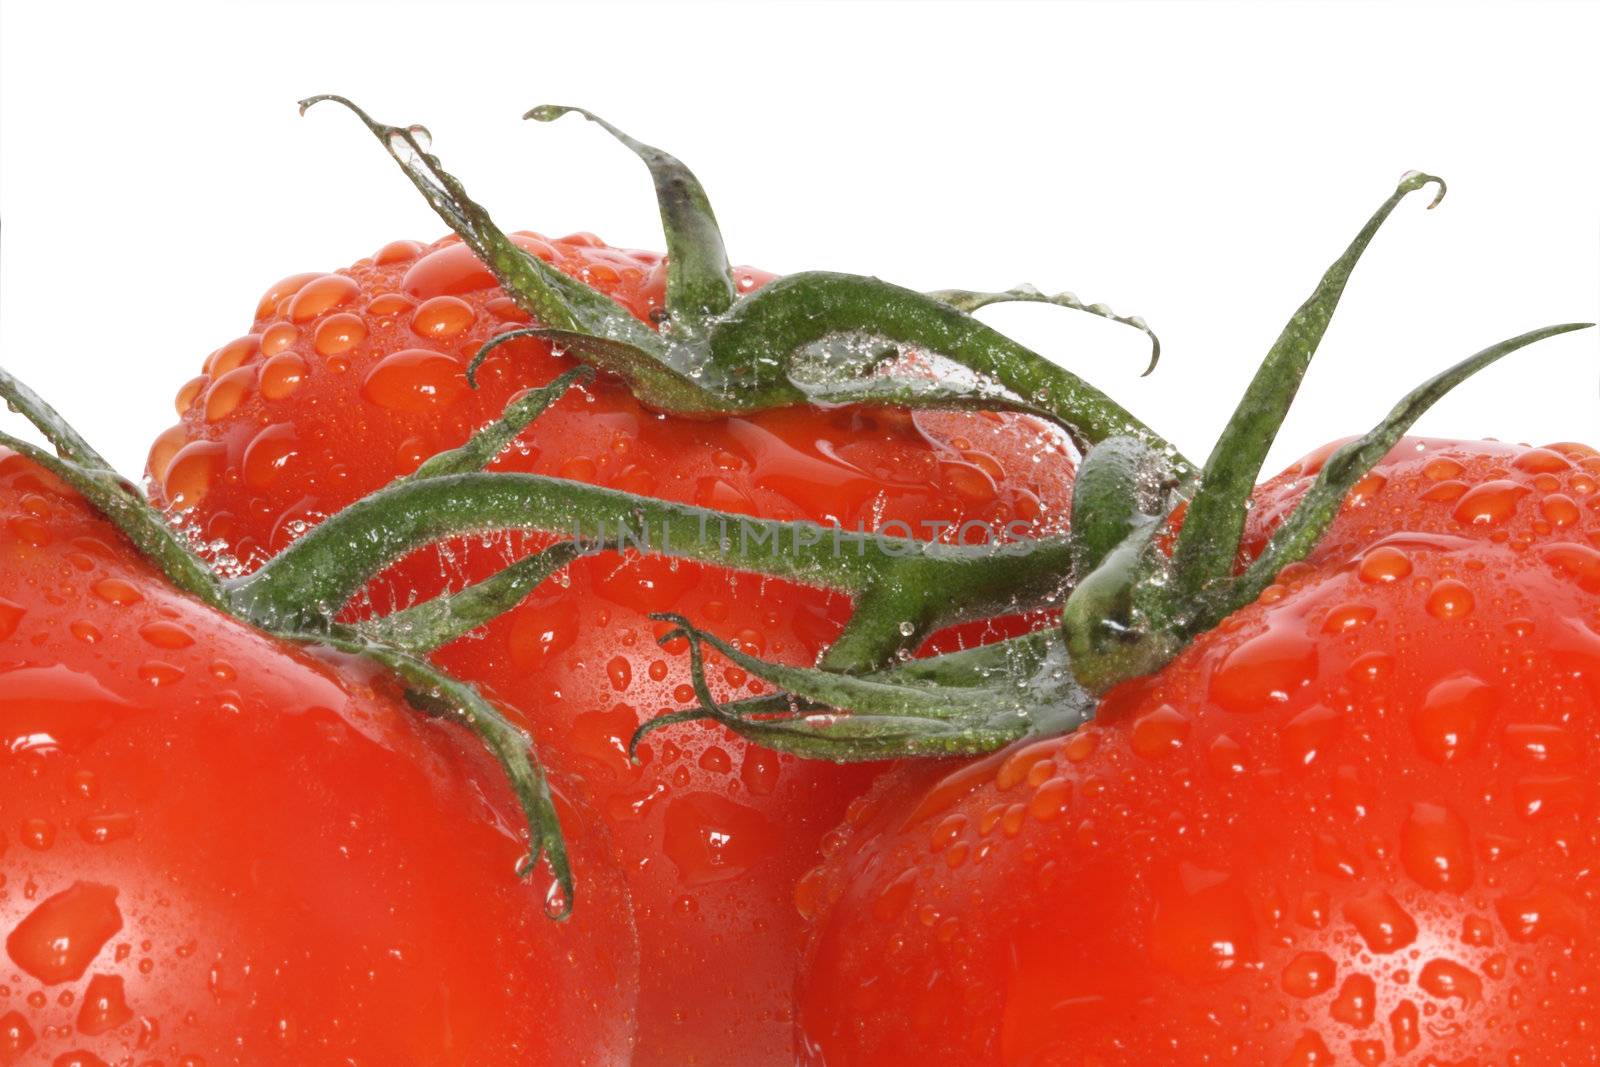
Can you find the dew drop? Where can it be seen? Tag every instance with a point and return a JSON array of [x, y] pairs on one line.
[[322, 294], [1265, 670], [105, 1006], [1446, 980], [1308, 974], [1452, 717], [1450, 600], [1490, 503], [1356, 1002], [415, 381], [281, 375], [1434, 848], [1380, 920], [60, 937]]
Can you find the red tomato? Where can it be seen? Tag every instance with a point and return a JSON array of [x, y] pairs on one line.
[[347, 380], [218, 849], [1353, 824]]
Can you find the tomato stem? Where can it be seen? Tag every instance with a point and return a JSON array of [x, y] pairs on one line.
[[963, 703], [479, 450], [905, 586], [718, 354], [127, 509], [1209, 542], [699, 280]]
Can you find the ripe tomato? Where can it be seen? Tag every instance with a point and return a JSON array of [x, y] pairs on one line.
[[1353, 824], [347, 380], [220, 849]]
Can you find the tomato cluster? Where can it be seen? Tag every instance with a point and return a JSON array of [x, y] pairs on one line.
[[1349, 823]]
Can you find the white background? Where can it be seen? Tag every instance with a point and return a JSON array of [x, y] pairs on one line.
[[1198, 163]]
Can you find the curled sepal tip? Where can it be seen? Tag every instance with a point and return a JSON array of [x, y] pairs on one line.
[[963, 703], [1209, 542], [969, 300], [699, 280], [541, 290]]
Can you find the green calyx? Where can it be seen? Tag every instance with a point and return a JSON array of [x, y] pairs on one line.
[[1128, 603], [811, 338]]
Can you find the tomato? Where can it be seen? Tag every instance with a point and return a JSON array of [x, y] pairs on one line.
[[349, 379], [217, 848], [1353, 824]]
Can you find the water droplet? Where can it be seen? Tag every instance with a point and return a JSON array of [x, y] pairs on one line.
[[116, 591], [1348, 617], [1384, 564], [322, 294], [166, 634], [1452, 717], [415, 381], [1544, 910], [759, 771], [895, 896], [1450, 600], [338, 334], [1308, 734], [105, 1007], [16, 1037], [1356, 1002], [1446, 979], [283, 289], [1050, 800], [1159, 733], [1543, 796], [1202, 928], [1265, 670], [1541, 461], [442, 317], [1308, 974], [710, 838], [1578, 563], [61, 936], [157, 674], [1434, 848], [191, 473], [1380, 920], [1560, 510], [104, 829], [1225, 757], [1490, 503], [281, 375], [1332, 858], [1403, 1025]]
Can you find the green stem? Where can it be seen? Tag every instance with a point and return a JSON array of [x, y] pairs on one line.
[[315, 577], [482, 447], [755, 346], [699, 281], [551, 297], [1122, 486], [67, 442], [439, 621], [142, 524], [434, 691], [1214, 524], [969, 300], [1315, 512], [963, 703]]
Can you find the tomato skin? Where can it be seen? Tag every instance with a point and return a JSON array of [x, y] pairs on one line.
[[363, 379], [216, 848], [1351, 825]]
